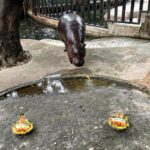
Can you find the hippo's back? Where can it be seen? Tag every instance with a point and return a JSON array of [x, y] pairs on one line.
[[69, 18], [71, 28]]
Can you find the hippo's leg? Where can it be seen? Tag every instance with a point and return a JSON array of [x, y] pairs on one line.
[[65, 47], [65, 44]]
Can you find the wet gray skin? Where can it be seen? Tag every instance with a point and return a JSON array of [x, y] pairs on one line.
[[72, 115]]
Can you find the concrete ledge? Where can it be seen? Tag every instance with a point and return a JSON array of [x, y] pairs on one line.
[[121, 29], [128, 63]]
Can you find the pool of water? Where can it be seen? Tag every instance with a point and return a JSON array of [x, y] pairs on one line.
[[72, 113]]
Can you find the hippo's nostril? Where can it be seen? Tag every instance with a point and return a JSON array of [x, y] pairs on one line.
[[79, 63], [75, 61]]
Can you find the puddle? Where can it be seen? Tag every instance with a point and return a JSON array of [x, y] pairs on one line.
[[57, 86]]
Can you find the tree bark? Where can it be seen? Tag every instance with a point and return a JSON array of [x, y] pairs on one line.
[[10, 47]]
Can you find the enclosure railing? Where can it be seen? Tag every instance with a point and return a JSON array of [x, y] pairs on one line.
[[94, 12]]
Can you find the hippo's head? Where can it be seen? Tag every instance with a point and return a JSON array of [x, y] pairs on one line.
[[76, 54]]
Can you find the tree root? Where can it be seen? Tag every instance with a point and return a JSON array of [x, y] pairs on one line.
[[23, 58]]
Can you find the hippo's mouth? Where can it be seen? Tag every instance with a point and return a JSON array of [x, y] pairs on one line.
[[80, 63], [76, 61]]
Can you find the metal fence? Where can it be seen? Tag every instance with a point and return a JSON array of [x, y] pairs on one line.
[[94, 12]]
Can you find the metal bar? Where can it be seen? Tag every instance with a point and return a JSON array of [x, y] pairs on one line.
[[94, 11], [116, 10], [42, 5], [91, 11], [33, 4], [77, 6], [38, 7], [148, 5], [45, 7], [56, 7], [71, 6], [66, 1], [123, 10], [101, 11], [132, 10], [82, 8], [140, 10], [108, 10], [52, 4], [88, 11], [35, 7], [49, 10], [34, 1], [64, 5], [61, 7]]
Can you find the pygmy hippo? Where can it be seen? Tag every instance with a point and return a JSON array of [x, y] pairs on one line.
[[71, 30]]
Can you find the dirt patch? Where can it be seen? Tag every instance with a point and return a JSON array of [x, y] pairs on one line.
[[145, 81], [23, 59]]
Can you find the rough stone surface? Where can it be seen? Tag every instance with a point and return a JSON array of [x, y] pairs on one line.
[[78, 120], [145, 26]]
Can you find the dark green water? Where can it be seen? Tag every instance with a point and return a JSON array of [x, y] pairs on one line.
[[30, 29]]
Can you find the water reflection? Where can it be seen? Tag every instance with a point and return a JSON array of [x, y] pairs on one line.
[[51, 85]]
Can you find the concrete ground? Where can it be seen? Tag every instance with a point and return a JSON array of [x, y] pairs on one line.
[[123, 58], [77, 120]]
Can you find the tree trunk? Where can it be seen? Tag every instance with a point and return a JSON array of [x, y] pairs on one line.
[[10, 47]]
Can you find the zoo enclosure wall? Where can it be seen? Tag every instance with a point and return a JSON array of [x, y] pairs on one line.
[[96, 13]]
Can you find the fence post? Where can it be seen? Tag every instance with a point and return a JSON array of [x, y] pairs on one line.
[[116, 10], [101, 11], [140, 10], [77, 6], [82, 8], [108, 10], [71, 8], [123, 10], [132, 10], [88, 11], [148, 6]]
